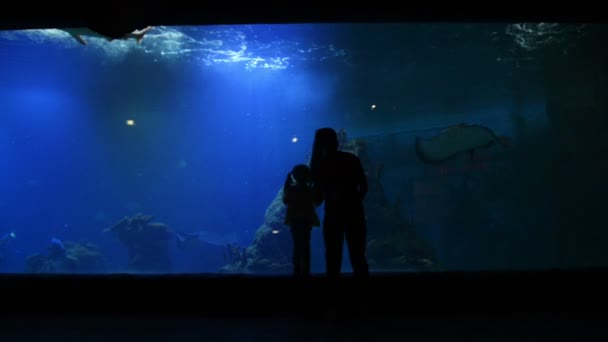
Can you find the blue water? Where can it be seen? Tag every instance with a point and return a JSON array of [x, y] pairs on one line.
[[215, 112]]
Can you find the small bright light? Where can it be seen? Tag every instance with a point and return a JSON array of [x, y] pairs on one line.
[[130, 122], [13, 235], [275, 232], [294, 140], [373, 106]]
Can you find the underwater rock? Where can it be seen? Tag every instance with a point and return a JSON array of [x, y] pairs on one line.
[[78, 258], [270, 251], [147, 243], [235, 255], [400, 250], [392, 242]]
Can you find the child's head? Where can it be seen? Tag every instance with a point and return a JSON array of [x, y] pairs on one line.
[[301, 173]]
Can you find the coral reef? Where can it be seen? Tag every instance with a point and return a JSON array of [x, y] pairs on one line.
[[147, 243], [393, 244], [79, 257]]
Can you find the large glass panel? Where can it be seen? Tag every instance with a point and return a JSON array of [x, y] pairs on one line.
[[483, 145]]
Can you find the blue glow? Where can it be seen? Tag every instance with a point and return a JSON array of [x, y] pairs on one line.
[[214, 112], [198, 126]]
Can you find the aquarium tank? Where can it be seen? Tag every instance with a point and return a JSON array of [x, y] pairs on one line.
[[483, 145]]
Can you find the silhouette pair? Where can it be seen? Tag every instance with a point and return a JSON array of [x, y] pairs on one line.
[[338, 179]]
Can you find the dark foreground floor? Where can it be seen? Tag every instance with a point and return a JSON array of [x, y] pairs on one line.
[[521, 328], [528, 306]]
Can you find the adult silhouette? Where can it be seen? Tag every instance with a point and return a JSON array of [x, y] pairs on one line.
[[343, 184]]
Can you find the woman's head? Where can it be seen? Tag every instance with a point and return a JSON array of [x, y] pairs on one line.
[[326, 140]]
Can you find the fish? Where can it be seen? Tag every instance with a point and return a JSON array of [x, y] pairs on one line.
[[109, 34], [454, 140], [57, 248], [187, 240]]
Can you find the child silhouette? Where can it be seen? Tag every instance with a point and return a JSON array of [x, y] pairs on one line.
[[301, 196]]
